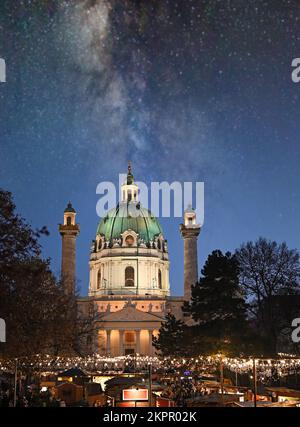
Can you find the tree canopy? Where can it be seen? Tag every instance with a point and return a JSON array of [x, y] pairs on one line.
[[171, 337], [269, 276], [39, 316]]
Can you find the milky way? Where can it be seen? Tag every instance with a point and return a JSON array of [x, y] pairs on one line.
[[187, 90], [138, 76]]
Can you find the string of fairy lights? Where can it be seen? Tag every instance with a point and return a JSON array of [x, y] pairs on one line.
[[266, 369]]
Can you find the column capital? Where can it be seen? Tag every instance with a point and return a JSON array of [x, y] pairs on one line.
[[190, 231], [69, 230]]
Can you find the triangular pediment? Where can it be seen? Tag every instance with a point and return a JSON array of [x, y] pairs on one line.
[[131, 314]]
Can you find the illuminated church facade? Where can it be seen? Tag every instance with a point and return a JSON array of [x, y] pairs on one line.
[[129, 286]]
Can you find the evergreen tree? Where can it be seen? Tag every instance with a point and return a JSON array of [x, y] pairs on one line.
[[170, 341], [218, 307]]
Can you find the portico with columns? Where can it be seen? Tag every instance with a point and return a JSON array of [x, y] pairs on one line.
[[127, 331]]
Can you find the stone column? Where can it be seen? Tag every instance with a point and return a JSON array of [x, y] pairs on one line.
[[150, 343], [69, 230], [138, 341], [108, 347], [121, 344], [190, 235]]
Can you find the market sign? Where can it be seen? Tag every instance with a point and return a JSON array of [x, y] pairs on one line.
[[135, 394]]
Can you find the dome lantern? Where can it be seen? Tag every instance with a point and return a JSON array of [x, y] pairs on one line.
[[129, 189], [130, 177]]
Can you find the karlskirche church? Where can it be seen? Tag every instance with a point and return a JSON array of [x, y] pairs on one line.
[[129, 284]]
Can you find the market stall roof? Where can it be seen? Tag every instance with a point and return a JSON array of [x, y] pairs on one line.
[[155, 386], [114, 386], [119, 381], [214, 399], [284, 391], [73, 372], [93, 389], [68, 384]]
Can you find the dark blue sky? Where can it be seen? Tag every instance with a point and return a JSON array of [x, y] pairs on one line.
[[187, 90]]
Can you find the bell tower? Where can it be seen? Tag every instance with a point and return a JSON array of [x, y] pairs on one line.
[[190, 231], [69, 230]]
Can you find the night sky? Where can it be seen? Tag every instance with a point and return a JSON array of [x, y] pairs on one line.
[[186, 90]]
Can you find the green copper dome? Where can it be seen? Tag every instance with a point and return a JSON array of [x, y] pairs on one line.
[[119, 220]]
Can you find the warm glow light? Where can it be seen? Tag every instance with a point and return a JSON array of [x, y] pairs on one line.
[[42, 364], [135, 394]]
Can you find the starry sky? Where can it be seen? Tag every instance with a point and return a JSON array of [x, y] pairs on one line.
[[188, 90]]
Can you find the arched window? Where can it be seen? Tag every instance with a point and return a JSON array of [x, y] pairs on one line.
[[129, 276], [69, 220], [159, 279], [99, 279], [158, 244], [100, 244]]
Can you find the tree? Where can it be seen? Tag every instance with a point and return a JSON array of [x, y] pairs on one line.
[[268, 272], [39, 316], [170, 340], [218, 307]]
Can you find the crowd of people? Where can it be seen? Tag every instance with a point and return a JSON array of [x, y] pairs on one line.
[[179, 389], [26, 398]]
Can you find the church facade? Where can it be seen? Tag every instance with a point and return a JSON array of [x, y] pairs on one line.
[[129, 286]]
